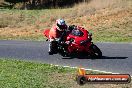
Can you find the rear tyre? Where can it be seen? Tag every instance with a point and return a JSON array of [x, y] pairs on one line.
[[63, 50], [64, 53], [96, 52]]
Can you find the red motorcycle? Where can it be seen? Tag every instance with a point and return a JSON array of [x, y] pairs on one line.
[[77, 41]]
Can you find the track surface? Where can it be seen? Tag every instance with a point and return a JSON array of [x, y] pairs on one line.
[[117, 57]]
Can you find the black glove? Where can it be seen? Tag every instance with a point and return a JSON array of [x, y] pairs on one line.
[[71, 27]]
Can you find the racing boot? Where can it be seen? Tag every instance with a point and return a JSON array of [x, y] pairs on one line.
[[51, 49]]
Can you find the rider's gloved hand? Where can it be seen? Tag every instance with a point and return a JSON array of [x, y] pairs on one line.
[[71, 27]]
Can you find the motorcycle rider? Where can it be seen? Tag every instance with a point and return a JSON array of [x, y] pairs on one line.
[[55, 34]]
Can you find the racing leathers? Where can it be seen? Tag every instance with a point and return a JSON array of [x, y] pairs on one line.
[[55, 36]]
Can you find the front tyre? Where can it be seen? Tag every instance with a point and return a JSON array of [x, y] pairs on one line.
[[96, 52]]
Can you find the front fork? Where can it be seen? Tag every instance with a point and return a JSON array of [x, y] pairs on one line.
[[90, 50]]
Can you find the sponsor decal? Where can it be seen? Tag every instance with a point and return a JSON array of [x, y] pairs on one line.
[[83, 78]]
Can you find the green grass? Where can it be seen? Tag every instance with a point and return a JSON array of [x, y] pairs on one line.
[[26, 74], [21, 74]]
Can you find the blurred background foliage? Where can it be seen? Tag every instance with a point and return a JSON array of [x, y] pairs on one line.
[[40, 4]]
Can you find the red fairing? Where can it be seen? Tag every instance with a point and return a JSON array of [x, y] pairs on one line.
[[76, 45]]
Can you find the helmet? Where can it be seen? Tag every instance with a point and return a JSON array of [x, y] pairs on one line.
[[61, 24]]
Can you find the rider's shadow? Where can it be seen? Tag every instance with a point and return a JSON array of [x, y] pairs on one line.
[[88, 57], [106, 57]]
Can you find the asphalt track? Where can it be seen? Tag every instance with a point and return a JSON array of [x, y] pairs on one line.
[[117, 57]]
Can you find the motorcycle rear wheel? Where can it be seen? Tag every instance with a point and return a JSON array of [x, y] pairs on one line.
[[62, 51]]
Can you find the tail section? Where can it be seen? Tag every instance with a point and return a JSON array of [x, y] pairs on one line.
[[46, 33]]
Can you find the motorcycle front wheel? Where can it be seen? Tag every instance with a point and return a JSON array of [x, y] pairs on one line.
[[96, 52]]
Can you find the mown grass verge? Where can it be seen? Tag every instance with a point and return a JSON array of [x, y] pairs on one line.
[[25, 74], [21, 74]]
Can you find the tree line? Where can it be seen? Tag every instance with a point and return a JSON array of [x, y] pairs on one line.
[[45, 3]]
